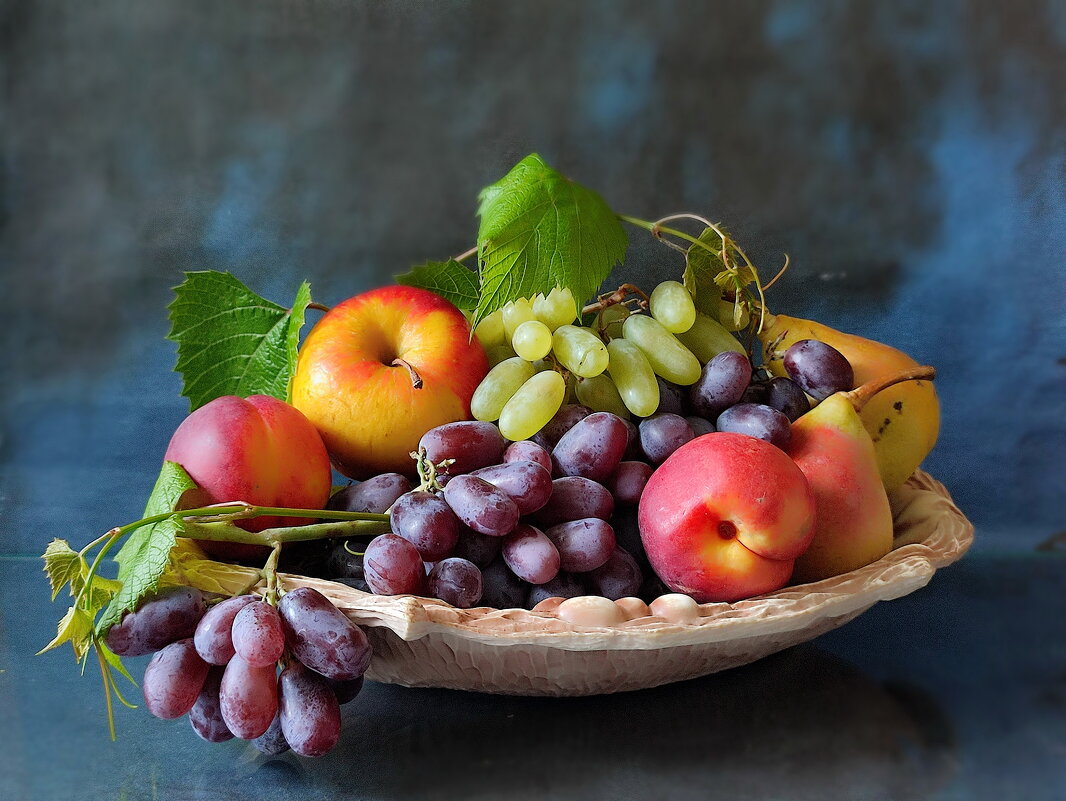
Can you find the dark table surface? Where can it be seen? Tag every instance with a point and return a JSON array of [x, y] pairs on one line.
[[957, 691]]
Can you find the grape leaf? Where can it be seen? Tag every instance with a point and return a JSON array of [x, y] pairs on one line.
[[231, 341], [144, 557], [702, 267], [449, 279], [75, 627], [190, 568], [540, 230], [62, 565]]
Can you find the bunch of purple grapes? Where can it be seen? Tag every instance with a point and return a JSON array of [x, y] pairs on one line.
[[731, 396], [244, 668], [515, 522]]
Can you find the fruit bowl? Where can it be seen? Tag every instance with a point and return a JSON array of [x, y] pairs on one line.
[[421, 642]]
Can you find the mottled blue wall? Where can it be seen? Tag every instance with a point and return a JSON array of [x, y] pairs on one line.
[[910, 156]]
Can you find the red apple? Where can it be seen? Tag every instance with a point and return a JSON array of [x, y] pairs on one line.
[[381, 369], [258, 449], [725, 516]]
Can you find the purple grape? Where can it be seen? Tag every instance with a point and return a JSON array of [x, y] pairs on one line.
[[393, 566], [565, 585], [700, 426], [214, 637], [163, 618], [342, 563], [206, 714], [173, 680], [502, 589], [633, 452], [592, 448], [322, 637], [530, 554], [309, 711], [755, 393], [528, 484], [785, 395], [575, 498], [618, 577], [568, 416], [470, 443], [583, 545], [427, 522], [258, 636], [375, 494], [528, 451], [477, 548], [627, 535], [347, 690], [671, 398], [483, 507], [662, 434], [248, 698], [820, 369], [457, 582], [722, 384], [757, 420], [628, 481], [272, 741]]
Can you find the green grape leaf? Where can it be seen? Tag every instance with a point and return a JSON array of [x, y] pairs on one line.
[[231, 341], [62, 565], [539, 230], [190, 568], [702, 268], [449, 279], [75, 627], [145, 556]]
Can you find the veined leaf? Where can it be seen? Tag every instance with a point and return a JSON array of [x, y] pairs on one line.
[[62, 565], [231, 341], [539, 230], [75, 627], [144, 556], [449, 279]]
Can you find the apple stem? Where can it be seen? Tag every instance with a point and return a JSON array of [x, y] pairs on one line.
[[318, 307], [861, 395], [416, 379]]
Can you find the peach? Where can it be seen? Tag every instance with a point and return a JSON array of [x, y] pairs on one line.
[[725, 517]]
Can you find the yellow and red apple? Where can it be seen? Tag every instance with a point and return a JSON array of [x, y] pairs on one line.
[[725, 517], [381, 369]]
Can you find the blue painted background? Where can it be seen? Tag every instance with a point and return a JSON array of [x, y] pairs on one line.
[[910, 158]]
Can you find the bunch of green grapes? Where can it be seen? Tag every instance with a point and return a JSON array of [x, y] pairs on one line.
[[540, 357]]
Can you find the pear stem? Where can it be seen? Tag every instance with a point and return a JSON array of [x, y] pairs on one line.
[[861, 395]]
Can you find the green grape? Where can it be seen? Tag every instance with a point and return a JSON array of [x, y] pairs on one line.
[[668, 357], [532, 340], [611, 320], [500, 353], [532, 406], [557, 309], [580, 350], [726, 315], [601, 395], [671, 304], [498, 387], [489, 331], [707, 338], [514, 314], [633, 377]]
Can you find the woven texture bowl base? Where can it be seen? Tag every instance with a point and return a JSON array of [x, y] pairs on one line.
[[421, 642]]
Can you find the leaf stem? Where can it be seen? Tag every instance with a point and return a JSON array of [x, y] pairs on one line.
[[466, 254]]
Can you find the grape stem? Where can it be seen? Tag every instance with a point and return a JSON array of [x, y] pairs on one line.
[[227, 532], [861, 395], [270, 575]]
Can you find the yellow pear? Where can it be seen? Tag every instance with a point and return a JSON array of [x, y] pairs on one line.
[[853, 520], [903, 420]]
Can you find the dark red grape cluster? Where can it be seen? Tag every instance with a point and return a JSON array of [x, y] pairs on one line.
[[503, 532], [220, 665]]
